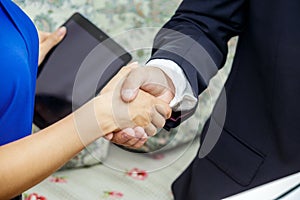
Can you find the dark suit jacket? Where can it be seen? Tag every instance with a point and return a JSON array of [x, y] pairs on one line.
[[260, 139]]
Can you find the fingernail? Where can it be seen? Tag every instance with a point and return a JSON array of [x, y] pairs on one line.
[[129, 131], [127, 94], [134, 63], [61, 31], [124, 136], [109, 136], [145, 136], [142, 131]]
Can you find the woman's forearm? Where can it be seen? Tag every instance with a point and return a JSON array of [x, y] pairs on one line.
[[26, 162]]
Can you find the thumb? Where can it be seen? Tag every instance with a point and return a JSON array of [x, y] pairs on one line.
[[54, 38], [109, 136], [49, 41], [131, 84], [43, 35]]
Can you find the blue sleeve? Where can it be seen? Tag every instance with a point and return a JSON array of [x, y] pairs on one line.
[[18, 64]]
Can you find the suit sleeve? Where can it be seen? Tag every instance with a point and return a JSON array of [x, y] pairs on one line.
[[196, 37]]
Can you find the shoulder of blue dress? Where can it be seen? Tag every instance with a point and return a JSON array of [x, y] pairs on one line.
[[33, 44], [25, 27], [33, 34]]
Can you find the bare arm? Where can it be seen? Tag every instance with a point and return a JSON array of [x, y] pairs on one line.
[[28, 161]]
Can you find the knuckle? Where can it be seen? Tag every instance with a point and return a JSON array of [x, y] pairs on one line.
[[132, 142], [114, 141], [138, 145], [151, 131], [160, 124], [141, 120], [119, 140], [53, 39]]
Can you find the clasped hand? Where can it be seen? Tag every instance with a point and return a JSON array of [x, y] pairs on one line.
[[144, 112], [141, 86], [135, 100]]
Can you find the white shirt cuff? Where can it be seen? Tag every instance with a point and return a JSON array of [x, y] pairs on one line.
[[184, 98]]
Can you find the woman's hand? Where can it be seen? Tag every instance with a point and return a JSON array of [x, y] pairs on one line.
[[146, 111], [48, 41], [108, 113], [137, 136], [53, 146], [129, 137]]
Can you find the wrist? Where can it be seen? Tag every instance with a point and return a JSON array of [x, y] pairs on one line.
[[169, 83], [93, 120], [103, 106]]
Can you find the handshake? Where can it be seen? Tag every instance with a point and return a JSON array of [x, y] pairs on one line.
[[132, 105], [129, 109]]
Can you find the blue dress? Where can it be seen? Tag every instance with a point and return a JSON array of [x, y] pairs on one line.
[[18, 67]]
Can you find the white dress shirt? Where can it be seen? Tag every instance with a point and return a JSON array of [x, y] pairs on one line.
[[184, 98]]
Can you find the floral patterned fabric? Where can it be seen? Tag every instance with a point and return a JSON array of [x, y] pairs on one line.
[[109, 15], [123, 176]]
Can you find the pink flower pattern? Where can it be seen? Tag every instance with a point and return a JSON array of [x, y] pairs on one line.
[[137, 174], [57, 179], [34, 196], [158, 156], [113, 194]]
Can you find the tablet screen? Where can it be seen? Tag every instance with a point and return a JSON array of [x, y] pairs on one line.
[[75, 71]]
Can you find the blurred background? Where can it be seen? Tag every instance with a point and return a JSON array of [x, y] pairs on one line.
[[112, 16]]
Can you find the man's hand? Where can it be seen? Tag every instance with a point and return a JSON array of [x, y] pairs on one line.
[[49, 40], [144, 111], [152, 80]]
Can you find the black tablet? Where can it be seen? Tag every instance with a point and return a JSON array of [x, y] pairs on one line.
[[75, 70]]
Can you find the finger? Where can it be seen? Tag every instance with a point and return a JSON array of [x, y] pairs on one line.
[[109, 136], [150, 130], [157, 119], [150, 79], [43, 35], [140, 143], [122, 137], [50, 42], [53, 39], [132, 83], [140, 132], [139, 139], [131, 142], [118, 77], [164, 110], [158, 84]]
